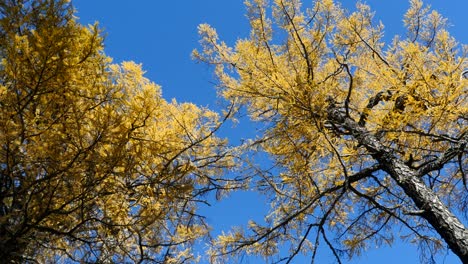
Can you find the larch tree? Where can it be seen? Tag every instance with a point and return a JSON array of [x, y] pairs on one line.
[[95, 166], [368, 140]]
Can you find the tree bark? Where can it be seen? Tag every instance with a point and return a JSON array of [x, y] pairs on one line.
[[447, 225]]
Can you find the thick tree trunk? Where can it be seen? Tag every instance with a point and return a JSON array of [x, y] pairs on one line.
[[434, 211], [449, 227], [11, 251]]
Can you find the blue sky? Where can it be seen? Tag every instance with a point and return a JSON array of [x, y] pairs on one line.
[[162, 34]]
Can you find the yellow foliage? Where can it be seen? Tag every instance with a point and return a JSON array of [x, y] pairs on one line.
[[297, 69], [95, 164]]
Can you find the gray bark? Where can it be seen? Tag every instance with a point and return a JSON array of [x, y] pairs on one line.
[[447, 225]]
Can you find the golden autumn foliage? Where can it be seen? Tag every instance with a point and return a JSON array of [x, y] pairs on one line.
[[366, 137], [95, 166]]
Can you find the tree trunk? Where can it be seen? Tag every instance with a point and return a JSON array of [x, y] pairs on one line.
[[447, 225], [434, 211], [11, 250]]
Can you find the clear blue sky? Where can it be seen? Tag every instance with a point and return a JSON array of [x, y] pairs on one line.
[[162, 34]]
